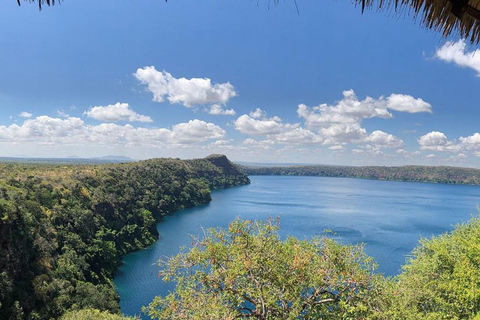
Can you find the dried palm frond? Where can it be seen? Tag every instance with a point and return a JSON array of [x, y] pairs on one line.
[[446, 16], [40, 2]]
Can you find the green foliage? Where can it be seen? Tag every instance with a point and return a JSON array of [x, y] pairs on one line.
[[64, 228], [442, 278], [247, 271], [92, 314], [441, 174]]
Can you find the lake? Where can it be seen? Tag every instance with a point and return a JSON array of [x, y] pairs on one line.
[[389, 217]]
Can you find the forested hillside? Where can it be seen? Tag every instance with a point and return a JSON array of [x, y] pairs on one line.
[[441, 174], [64, 228]]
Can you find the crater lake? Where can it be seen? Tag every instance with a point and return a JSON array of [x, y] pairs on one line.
[[389, 217]]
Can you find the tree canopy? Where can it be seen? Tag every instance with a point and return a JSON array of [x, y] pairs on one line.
[[248, 272]]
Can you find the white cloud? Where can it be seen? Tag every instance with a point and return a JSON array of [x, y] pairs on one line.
[[116, 112], [406, 103], [298, 136], [385, 140], [222, 142], [258, 114], [264, 126], [351, 110], [25, 114], [264, 144], [437, 141], [456, 52], [337, 147], [73, 131], [342, 133], [189, 92], [471, 143], [218, 110], [347, 110], [45, 129], [196, 131], [341, 122]]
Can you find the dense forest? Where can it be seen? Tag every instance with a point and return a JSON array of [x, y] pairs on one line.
[[63, 228], [441, 174]]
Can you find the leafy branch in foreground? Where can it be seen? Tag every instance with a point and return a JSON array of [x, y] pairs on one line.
[[442, 278], [247, 271]]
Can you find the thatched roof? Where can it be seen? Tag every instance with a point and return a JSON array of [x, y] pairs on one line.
[[460, 17]]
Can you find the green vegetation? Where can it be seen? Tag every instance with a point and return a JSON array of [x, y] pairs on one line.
[[92, 314], [64, 228], [248, 272], [451, 175], [442, 278]]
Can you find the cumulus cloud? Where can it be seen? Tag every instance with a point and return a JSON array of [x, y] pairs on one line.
[[456, 52], [25, 114], [471, 144], [73, 131], [196, 131], [116, 112], [336, 124], [341, 122], [258, 114], [222, 142], [351, 110], [257, 123], [296, 136], [263, 144], [383, 139], [337, 147], [437, 141], [188, 92], [218, 110], [45, 129], [343, 133], [406, 103]]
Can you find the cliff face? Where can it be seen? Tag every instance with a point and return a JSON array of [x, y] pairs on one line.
[[63, 229], [228, 174]]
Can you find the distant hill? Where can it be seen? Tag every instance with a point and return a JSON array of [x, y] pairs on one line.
[[115, 158], [431, 174]]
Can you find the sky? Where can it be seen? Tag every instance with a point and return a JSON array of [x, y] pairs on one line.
[[253, 81]]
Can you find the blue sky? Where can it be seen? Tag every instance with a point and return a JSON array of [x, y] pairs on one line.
[[189, 78]]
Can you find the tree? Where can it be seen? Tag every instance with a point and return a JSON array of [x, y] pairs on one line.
[[247, 271], [442, 278], [92, 314]]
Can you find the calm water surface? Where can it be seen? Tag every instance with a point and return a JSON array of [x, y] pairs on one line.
[[389, 217]]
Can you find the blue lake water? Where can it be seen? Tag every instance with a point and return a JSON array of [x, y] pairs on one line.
[[389, 217]]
